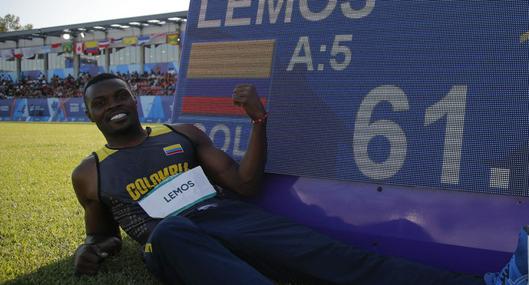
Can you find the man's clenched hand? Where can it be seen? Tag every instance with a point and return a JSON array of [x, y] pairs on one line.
[[88, 257], [245, 96]]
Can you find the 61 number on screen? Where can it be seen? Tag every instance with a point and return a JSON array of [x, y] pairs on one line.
[[452, 106]]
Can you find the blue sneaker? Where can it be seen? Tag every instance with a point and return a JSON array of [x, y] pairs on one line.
[[515, 272]]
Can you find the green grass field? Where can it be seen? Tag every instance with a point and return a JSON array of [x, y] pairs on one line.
[[41, 222]]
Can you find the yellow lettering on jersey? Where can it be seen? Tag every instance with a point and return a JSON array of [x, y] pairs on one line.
[[173, 169], [134, 194], [155, 178], [164, 173], [148, 183], [143, 185], [148, 247]]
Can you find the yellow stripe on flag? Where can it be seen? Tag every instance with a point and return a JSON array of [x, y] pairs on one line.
[[241, 59], [90, 44], [129, 41], [172, 39]]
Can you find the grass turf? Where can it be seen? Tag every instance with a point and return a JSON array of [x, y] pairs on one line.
[[41, 222]]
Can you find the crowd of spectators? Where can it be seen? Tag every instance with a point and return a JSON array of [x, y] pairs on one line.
[[148, 83], [153, 83]]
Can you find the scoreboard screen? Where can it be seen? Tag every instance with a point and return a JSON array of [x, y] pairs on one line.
[[427, 94]]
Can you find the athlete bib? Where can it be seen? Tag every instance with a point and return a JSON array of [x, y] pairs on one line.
[[178, 193]]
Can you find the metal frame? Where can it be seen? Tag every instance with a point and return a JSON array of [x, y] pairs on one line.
[[59, 30]]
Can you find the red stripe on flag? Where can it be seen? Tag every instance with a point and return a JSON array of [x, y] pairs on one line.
[[173, 152], [212, 106]]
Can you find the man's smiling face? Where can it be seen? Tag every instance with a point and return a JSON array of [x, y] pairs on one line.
[[112, 106]]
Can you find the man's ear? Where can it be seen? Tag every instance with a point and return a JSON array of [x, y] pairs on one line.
[[88, 115]]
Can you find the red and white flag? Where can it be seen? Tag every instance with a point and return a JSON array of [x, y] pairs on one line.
[[103, 43], [158, 38], [56, 47], [79, 48], [17, 53]]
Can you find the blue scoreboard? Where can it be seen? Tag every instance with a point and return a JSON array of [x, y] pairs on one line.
[[428, 94]]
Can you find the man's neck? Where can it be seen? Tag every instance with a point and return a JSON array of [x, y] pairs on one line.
[[129, 138]]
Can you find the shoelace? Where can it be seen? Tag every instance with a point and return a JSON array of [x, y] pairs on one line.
[[504, 277], [504, 274]]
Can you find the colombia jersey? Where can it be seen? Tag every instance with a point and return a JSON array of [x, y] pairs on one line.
[[126, 175]]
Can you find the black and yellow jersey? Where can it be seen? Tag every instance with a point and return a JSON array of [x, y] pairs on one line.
[[126, 175]]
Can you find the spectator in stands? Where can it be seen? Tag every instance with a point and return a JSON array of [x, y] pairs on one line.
[[148, 83]]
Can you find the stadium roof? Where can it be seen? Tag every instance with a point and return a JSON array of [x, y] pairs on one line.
[[121, 24]]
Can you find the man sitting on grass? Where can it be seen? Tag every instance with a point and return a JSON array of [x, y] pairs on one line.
[[214, 238]]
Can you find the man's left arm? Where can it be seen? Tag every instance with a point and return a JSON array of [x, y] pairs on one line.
[[245, 178]]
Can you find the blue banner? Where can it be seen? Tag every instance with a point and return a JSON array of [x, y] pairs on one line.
[[155, 109], [21, 110], [74, 110], [152, 109], [6, 109], [414, 93]]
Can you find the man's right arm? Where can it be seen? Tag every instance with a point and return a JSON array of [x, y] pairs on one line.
[[102, 232]]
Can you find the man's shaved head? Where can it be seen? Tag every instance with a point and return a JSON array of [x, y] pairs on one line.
[[99, 78]]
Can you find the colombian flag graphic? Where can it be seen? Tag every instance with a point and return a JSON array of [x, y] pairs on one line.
[[213, 73], [173, 149]]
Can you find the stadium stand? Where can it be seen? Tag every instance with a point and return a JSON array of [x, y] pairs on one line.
[[147, 83], [57, 61]]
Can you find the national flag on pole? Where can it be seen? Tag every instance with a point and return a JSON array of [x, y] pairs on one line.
[[130, 41], [103, 43], [56, 47], [116, 42], [91, 47], [158, 38], [79, 47], [173, 39], [144, 39], [17, 53], [67, 47]]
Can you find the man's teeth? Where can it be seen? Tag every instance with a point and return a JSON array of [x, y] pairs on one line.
[[117, 116]]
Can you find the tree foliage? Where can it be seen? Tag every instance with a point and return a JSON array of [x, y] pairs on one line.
[[10, 23]]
